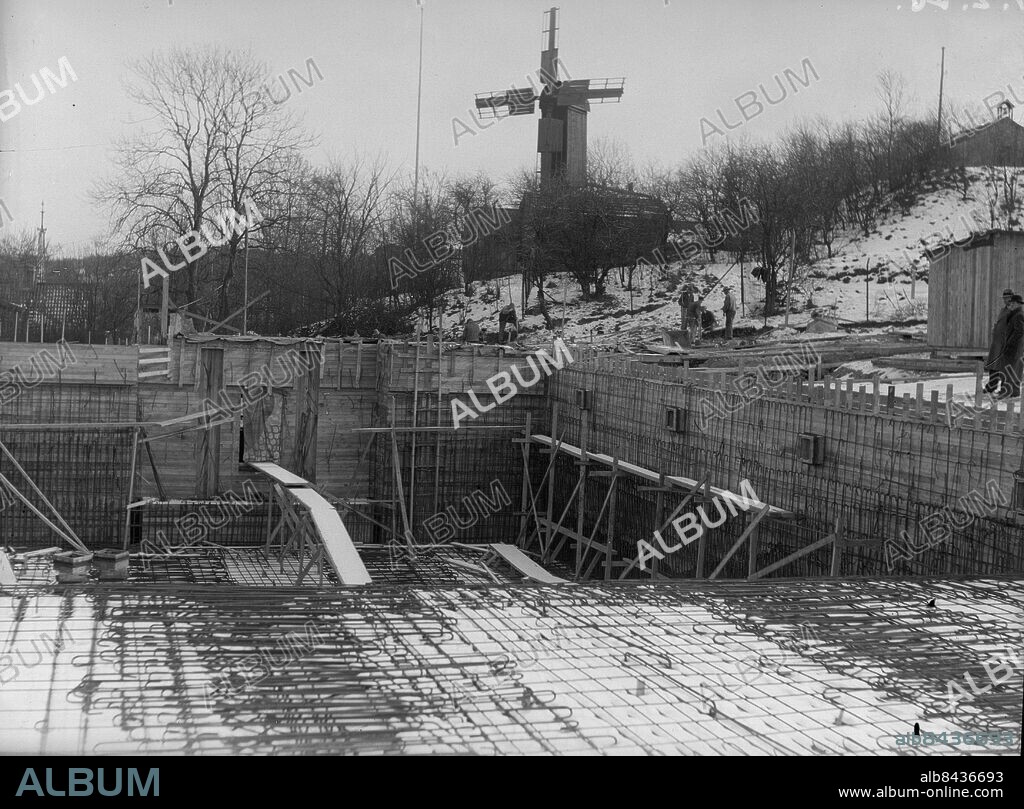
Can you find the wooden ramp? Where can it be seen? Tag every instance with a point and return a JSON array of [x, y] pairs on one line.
[[650, 475], [523, 563], [310, 516]]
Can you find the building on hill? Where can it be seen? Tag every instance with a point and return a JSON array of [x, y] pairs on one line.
[[44, 304], [493, 254], [965, 285], [999, 142]]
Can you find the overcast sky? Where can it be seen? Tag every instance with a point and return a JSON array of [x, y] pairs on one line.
[[682, 59]]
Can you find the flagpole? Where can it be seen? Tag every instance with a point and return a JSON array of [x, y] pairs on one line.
[[245, 292]]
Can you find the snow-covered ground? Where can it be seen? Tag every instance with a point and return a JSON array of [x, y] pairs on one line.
[[833, 287]]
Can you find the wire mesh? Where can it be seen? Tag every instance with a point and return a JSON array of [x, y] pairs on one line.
[[693, 668]]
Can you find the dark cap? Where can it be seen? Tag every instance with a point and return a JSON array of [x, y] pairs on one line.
[[1008, 293]]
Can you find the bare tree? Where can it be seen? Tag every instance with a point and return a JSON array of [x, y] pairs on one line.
[[609, 163], [347, 206], [891, 91], [213, 140]]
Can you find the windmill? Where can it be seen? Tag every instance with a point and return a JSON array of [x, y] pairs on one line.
[[562, 129]]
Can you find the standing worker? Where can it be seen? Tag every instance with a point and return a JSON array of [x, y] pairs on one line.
[[694, 315], [508, 316], [1005, 362], [685, 300], [729, 310]]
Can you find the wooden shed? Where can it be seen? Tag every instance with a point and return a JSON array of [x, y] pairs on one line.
[[965, 287]]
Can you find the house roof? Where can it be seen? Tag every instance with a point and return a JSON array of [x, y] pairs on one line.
[[981, 238]]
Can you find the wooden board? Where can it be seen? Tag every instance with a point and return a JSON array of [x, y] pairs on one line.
[[524, 564], [337, 544], [280, 475], [7, 577]]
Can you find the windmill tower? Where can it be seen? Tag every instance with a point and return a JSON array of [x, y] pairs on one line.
[[564, 105]]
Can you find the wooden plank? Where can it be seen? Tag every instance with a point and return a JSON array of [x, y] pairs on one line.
[[654, 477], [739, 542], [793, 557], [7, 577], [338, 547], [524, 564], [279, 474]]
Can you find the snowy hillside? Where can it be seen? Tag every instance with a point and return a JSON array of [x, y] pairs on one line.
[[830, 286]]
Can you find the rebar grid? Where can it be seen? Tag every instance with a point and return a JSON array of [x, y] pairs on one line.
[[883, 474], [197, 565], [81, 472], [682, 667]]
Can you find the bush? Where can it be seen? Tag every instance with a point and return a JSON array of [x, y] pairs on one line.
[[365, 316]]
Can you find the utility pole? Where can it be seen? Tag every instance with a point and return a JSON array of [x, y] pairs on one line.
[[419, 99], [41, 243]]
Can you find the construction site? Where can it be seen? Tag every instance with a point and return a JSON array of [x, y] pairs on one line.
[[202, 567], [233, 523]]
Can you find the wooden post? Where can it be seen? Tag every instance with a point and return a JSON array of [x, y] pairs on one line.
[[837, 549], [867, 291], [524, 498], [753, 548], [208, 446], [792, 270], [415, 420], [703, 541], [307, 416], [165, 296], [659, 515], [437, 445], [610, 538], [581, 500], [551, 480], [131, 491], [743, 302]]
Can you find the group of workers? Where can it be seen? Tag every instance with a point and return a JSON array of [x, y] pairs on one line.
[[1005, 362], [508, 327], [691, 312]]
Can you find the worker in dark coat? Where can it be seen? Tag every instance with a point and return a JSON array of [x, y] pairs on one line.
[[685, 302], [729, 310], [508, 324], [1005, 363], [696, 317], [471, 332]]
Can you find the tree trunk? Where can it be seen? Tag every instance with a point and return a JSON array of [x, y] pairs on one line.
[[543, 303], [222, 297]]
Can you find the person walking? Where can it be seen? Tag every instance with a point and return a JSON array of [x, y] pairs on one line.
[[1005, 363], [729, 310]]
